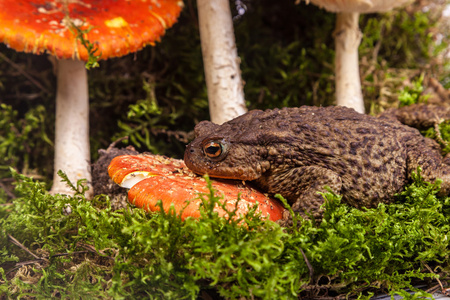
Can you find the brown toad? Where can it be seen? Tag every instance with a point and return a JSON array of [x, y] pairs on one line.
[[298, 151]]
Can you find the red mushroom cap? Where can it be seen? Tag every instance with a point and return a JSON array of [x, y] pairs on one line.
[[118, 27], [178, 190], [169, 180]]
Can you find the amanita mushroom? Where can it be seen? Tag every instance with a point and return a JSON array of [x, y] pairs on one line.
[[347, 40], [220, 60], [114, 28], [153, 177]]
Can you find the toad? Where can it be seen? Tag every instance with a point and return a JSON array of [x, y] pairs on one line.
[[296, 152]]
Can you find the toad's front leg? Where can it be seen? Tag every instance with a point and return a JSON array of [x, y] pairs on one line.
[[301, 186]]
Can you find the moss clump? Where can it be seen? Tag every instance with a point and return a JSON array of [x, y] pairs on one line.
[[441, 133], [412, 94], [100, 253], [23, 141]]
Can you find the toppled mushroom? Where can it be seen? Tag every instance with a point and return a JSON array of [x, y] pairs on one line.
[[153, 177], [60, 27], [347, 40]]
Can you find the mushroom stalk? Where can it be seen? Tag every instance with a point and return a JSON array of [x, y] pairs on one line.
[[221, 62], [348, 82], [72, 152]]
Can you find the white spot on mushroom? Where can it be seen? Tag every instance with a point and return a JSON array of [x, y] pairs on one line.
[[78, 22], [133, 178]]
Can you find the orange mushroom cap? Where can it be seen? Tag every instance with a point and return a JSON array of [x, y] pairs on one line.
[[170, 181], [117, 27], [124, 167]]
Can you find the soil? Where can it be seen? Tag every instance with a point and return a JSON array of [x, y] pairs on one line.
[[101, 182]]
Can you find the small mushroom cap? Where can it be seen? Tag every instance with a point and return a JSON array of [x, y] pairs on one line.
[[170, 181], [117, 27], [359, 6], [123, 168]]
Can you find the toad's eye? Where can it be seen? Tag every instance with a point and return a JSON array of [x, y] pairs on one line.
[[213, 149]]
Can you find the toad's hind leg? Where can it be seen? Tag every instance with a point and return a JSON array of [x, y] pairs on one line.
[[421, 151], [425, 153], [301, 187]]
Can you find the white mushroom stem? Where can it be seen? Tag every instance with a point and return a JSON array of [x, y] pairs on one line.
[[72, 152], [348, 82], [221, 62]]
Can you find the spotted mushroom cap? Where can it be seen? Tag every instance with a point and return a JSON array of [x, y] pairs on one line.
[[360, 6], [154, 177], [115, 27]]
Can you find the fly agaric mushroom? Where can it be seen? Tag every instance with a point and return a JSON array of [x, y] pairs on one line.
[[114, 28], [220, 60], [153, 177], [347, 40]]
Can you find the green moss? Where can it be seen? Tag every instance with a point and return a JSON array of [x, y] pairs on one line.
[[402, 38], [443, 136], [92, 50], [287, 54], [157, 255], [23, 141], [412, 94]]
